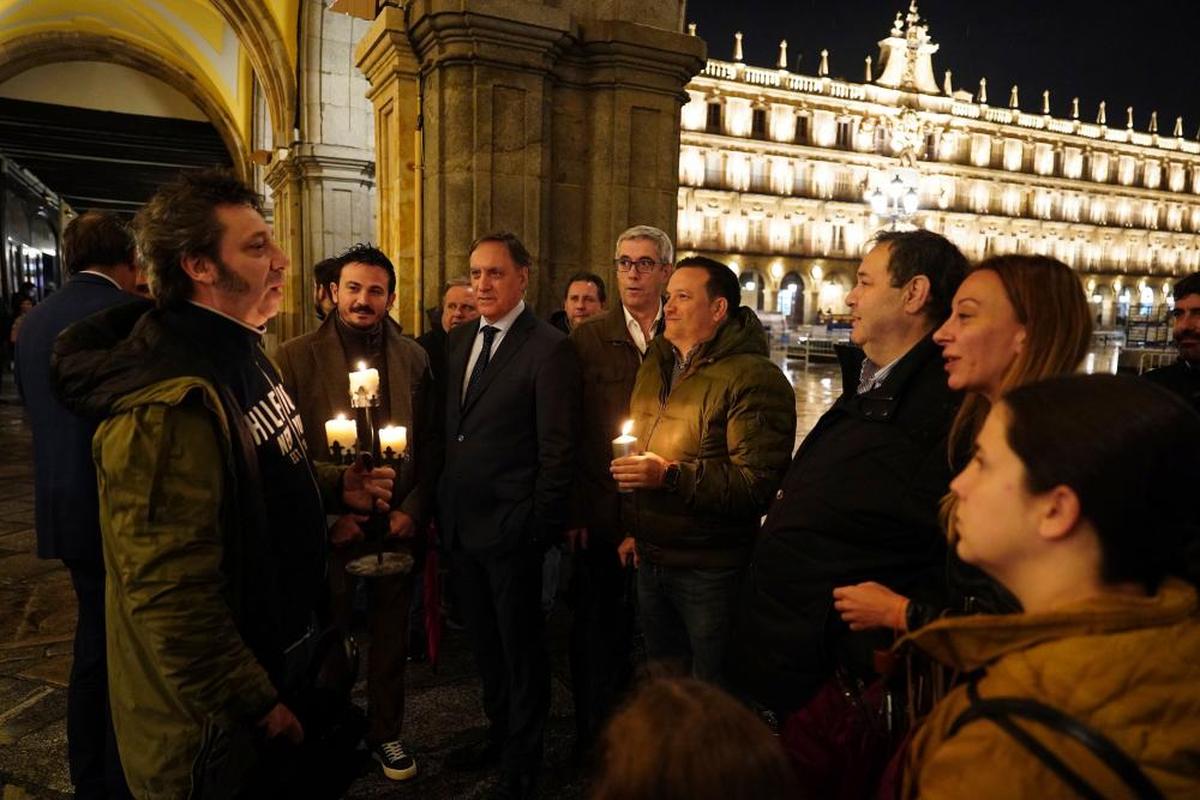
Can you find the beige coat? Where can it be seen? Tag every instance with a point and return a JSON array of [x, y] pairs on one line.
[[1128, 667]]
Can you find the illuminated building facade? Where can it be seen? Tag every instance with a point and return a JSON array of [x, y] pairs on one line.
[[776, 170]]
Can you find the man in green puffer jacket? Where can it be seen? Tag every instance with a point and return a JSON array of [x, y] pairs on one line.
[[716, 422]]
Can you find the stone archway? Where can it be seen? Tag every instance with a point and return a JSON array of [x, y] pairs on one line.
[[262, 41], [39, 49]]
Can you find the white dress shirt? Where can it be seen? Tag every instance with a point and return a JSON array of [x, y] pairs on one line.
[[635, 329], [502, 325]]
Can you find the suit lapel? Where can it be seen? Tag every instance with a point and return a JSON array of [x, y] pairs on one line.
[[521, 328], [458, 350], [327, 354], [397, 375]]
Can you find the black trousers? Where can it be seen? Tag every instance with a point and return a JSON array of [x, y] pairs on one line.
[[602, 596], [91, 744], [500, 596]]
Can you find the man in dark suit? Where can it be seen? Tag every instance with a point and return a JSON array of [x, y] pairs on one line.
[[458, 308], [315, 371], [511, 419], [99, 259]]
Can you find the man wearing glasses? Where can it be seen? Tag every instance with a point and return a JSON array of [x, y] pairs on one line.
[[611, 346]]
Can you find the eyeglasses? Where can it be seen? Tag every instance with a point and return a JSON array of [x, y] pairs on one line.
[[643, 265]]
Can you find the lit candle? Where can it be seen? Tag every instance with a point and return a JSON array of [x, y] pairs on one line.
[[341, 431], [625, 444], [395, 437], [364, 386]]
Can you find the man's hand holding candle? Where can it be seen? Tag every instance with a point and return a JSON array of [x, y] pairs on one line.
[[366, 489]]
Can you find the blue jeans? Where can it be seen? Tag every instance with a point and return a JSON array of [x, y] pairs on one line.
[[687, 614]]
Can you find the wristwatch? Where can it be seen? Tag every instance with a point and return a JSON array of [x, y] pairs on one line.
[[671, 478]]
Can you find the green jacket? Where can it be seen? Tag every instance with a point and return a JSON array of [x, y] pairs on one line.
[[730, 422], [179, 671], [193, 662]]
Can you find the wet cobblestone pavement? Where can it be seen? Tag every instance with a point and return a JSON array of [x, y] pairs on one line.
[[37, 621]]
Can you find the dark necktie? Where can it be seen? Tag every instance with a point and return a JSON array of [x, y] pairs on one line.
[[485, 354]]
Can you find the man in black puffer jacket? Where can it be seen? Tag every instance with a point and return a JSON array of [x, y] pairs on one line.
[[860, 500]]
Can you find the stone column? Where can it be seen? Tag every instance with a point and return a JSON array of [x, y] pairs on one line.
[[617, 103], [386, 59], [558, 121], [334, 159], [283, 178]]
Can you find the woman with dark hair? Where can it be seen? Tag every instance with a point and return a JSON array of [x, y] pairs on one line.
[[1014, 320], [1079, 500], [684, 739]]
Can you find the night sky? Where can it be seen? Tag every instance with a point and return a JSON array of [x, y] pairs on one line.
[[1145, 54]]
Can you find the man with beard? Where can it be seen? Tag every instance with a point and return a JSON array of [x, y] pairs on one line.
[[211, 513], [315, 369], [1183, 377]]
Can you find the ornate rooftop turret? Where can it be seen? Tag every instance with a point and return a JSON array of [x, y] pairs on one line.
[[1014, 98], [906, 55], [823, 67], [737, 47], [782, 64], [983, 91], [1178, 132]]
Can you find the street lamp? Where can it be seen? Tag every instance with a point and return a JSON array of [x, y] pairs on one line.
[[897, 201]]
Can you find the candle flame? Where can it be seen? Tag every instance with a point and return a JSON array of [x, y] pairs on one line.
[[341, 417], [362, 365], [627, 428]]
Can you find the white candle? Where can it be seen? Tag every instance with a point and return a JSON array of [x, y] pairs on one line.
[[364, 386], [341, 431], [395, 437], [626, 443]]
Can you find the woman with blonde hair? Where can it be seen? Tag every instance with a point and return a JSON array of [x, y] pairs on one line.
[[1015, 319], [683, 739]]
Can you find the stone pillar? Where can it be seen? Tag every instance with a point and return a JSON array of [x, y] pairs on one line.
[[283, 178], [558, 121], [386, 59], [334, 159]]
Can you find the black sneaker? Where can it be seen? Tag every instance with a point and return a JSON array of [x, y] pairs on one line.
[[397, 764]]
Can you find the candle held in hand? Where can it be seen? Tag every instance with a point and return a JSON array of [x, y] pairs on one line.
[[395, 437], [341, 431], [625, 445], [364, 386]]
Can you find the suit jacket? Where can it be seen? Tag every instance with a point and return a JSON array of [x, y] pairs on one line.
[[609, 361], [65, 499], [510, 444], [313, 369]]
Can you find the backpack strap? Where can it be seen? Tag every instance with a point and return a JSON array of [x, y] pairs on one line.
[[1001, 710]]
